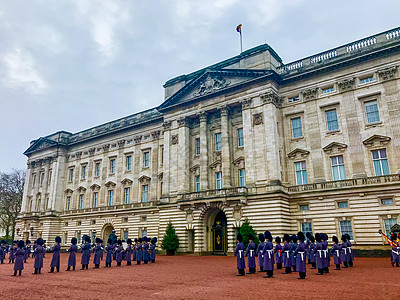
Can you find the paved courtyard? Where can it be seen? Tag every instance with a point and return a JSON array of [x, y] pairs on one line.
[[199, 277]]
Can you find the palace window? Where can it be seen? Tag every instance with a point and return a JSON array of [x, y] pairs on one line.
[[242, 177], [81, 198], [328, 90], [110, 197], [387, 201], [343, 204], [127, 195], [71, 175], [306, 227], [126, 234], [388, 224], [218, 142], [144, 232], [69, 203], [367, 79], [197, 179], [296, 128], [338, 168], [65, 237], [372, 111], [162, 154], [145, 193], [129, 163], [218, 178], [41, 178], [346, 227], [84, 172], [112, 166], [97, 169], [301, 172], [331, 120], [93, 236], [197, 142], [304, 207], [146, 159], [380, 161], [143, 219], [34, 181], [240, 137], [294, 99], [95, 199], [49, 179]]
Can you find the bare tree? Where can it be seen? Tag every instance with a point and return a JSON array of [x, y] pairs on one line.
[[11, 192]]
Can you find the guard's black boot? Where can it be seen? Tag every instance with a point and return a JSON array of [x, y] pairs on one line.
[[320, 272], [68, 268], [337, 267], [51, 270], [15, 273]]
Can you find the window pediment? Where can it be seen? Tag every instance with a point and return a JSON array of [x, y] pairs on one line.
[[110, 184], [298, 153], [216, 165], [68, 191], [194, 168], [95, 186], [126, 181], [239, 162], [144, 179], [376, 140], [335, 147], [81, 189]]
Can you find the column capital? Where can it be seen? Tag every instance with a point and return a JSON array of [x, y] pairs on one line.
[[183, 122], [202, 116], [223, 110], [167, 125], [246, 103]]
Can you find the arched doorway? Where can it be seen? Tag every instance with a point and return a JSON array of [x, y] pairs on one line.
[[216, 232], [106, 232]]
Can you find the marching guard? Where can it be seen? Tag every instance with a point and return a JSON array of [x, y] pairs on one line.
[[287, 261], [109, 250], [118, 252], [98, 249], [86, 253], [251, 255], [153, 250], [260, 250], [300, 254], [278, 253], [55, 261], [2, 251], [239, 253], [128, 254], [139, 252], [319, 256], [336, 252], [268, 255], [19, 253], [39, 252], [72, 254]]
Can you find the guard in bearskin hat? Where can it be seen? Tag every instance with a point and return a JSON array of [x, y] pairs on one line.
[[19, 253], [251, 255], [11, 254], [55, 261], [98, 249], [336, 252], [39, 252], [268, 252], [72, 254], [319, 254], [27, 250], [145, 248], [301, 257], [308, 235], [350, 256], [343, 251], [311, 252], [278, 253], [118, 252], [2, 251], [86, 250], [109, 251], [293, 247], [139, 252], [287, 261], [327, 257], [260, 250], [128, 252], [153, 250], [239, 253]]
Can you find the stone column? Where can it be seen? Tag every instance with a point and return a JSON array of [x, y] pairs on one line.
[[183, 156], [166, 170], [27, 186], [155, 135], [248, 142], [203, 152], [226, 152]]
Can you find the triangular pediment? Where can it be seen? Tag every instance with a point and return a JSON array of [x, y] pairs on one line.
[[298, 153], [144, 179], [95, 186], [81, 189], [126, 181], [39, 144], [110, 184], [68, 191], [212, 83], [335, 147], [376, 139]]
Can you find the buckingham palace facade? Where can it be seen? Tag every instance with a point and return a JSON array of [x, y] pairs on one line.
[[312, 145]]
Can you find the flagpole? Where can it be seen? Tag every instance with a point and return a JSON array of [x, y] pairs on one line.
[[241, 42]]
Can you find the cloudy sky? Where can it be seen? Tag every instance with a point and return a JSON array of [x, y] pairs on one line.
[[71, 65]]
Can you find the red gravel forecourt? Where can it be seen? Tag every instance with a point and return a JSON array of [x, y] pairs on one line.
[[198, 277]]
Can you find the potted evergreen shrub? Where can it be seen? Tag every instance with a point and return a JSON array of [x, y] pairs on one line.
[[170, 241], [245, 230]]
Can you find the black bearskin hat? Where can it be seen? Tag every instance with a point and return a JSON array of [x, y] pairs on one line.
[[301, 236], [322, 235], [21, 244], [136, 240], [119, 242], [261, 237], [347, 236], [40, 241], [335, 239], [326, 237], [87, 239], [268, 235], [109, 241], [278, 239], [318, 237], [74, 241], [308, 235], [251, 236], [129, 242], [286, 237], [312, 239], [293, 238], [394, 237], [28, 242], [101, 241], [139, 240], [155, 238], [98, 241], [2, 242], [344, 239], [154, 241], [58, 239], [239, 237]]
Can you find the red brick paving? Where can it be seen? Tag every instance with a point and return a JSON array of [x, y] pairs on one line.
[[199, 277]]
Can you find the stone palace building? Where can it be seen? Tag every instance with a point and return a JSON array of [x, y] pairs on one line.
[[312, 145]]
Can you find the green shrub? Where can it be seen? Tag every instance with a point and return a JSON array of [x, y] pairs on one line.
[[245, 230], [170, 241]]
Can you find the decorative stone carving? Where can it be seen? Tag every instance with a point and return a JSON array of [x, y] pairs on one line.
[[237, 213], [144, 179], [258, 118], [81, 189], [239, 162], [160, 176], [106, 147], [271, 97], [223, 110], [388, 73], [95, 187], [310, 94], [121, 143], [137, 139], [155, 134], [183, 122], [211, 85], [376, 140], [126, 181], [335, 147], [298, 152], [246, 103], [202, 116], [92, 151], [167, 125], [174, 139], [346, 85], [110, 184], [189, 216], [194, 168]]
